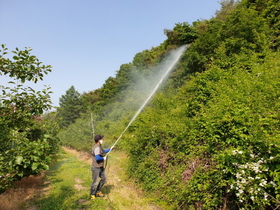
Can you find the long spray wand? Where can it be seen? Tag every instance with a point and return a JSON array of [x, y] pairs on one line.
[[179, 52], [92, 126]]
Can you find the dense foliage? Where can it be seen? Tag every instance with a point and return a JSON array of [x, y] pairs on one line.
[[27, 141], [219, 146], [209, 139]]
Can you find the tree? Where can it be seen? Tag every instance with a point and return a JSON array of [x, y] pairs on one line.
[[27, 141], [182, 33], [90, 98], [227, 6], [70, 107], [108, 89]]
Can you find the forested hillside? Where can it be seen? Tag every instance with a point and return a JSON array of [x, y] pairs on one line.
[[209, 139]]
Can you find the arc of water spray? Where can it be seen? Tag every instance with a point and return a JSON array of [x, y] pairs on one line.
[[180, 50]]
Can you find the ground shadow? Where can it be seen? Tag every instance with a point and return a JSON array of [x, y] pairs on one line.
[[55, 202], [107, 189]]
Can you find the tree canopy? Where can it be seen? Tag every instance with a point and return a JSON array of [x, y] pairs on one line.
[[27, 141]]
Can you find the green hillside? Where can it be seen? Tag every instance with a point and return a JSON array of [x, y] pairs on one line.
[[209, 139]]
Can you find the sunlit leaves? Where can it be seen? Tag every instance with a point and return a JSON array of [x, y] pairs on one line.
[[182, 33], [24, 148], [24, 66]]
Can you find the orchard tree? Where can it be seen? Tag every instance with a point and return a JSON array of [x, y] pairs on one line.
[[27, 142], [70, 107]]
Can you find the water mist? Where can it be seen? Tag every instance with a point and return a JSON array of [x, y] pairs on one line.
[[166, 67]]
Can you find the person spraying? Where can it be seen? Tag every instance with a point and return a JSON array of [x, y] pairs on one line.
[[99, 155], [97, 168]]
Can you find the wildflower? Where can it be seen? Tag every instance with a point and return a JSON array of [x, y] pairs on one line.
[[238, 176], [263, 183], [241, 166], [252, 198], [265, 196], [261, 161], [256, 169], [273, 183]]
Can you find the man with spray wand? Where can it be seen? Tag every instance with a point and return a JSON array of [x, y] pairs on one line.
[[98, 169], [99, 155]]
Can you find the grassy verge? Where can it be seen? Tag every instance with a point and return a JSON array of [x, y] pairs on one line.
[[70, 180]]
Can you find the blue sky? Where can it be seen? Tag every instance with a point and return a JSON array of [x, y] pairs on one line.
[[86, 41]]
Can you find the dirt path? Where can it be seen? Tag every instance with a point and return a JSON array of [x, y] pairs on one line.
[[123, 194]]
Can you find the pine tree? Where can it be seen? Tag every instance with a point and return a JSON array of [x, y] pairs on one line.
[[70, 107]]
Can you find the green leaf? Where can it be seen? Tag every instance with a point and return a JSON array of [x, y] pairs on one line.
[[35, 158], [20, 173], [18, 160], [35, 165], [45, 167]]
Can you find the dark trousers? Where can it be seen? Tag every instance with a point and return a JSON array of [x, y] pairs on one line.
[[97, 173]]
